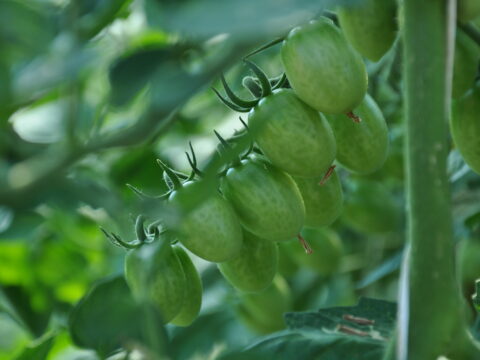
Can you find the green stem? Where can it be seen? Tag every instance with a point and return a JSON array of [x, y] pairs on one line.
[[431, 321]]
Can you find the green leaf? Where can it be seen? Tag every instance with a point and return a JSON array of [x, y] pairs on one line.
[[95, 15], [336, 333], [385, 268], [380, 315], [132, 72], [108, 318], [307, 345], [246, 19], [39, 349]]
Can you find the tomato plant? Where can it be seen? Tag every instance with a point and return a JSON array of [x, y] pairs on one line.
[[327, 205]]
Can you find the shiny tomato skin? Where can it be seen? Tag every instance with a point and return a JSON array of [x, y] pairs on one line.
[[266, 200], [361, 147], [193, 297], [211, 231], [254, 268], [292, 135], [154, 274], [323, 68]]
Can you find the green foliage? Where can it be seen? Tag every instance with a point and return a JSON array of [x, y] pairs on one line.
[[108, 317]]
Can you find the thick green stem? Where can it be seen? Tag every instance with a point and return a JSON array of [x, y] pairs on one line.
[[431, 319]]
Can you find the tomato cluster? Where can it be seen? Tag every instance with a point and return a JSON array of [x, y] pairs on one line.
[[301, 124]]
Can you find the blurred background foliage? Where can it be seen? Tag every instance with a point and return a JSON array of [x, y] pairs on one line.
[[92, 93]]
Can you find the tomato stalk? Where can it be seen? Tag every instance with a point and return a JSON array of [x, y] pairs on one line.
[[431, 321]]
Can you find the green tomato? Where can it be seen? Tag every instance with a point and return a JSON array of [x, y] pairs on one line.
[[211, 231], [465, 127], [266, 200], [327, 251], [323, 203], [254, 267], [468, 10], [287, 266], [465, 65], [370, 208], [154, 274], [468, 254], [323, 69], [267, 307], [371, 26], [361, 147], [193, 297], [284, 119]]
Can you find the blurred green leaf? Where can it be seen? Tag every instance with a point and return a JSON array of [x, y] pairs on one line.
[[108, 318], [39, 349], [94, 15], [132, 72], [385, 268], [308, 345], [242, 19]]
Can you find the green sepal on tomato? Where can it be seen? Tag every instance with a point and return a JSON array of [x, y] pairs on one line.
[[155, 274], [323, 201], [193, 297], [254, 268], [322, 67], [370, 26], [292, 135], [370, 208], [211, 230], [465, 127], [327, 250], [266, 200], [362, 147]]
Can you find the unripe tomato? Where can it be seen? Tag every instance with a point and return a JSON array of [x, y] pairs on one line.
[[287, 266], [468, 255], [211, 231], [254, 267], [371, 26], [323, 203], [154, 273], [465, 127], [268, 306], [327, 251], [285, 119], [468, 10], [361, 147], [323, 69], [266, 199], [193, 297], [465, 64], [370, 208]]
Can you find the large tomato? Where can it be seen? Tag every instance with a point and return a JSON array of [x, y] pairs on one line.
[[466, 127], [323, 203], [361, 147], [292, 135], [322, 67], [211, 231], [154, 273], [193, 297], [371, 26], [254, 267], [266, 199]]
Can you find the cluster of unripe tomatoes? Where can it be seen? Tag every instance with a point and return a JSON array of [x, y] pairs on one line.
[[318, 112]]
